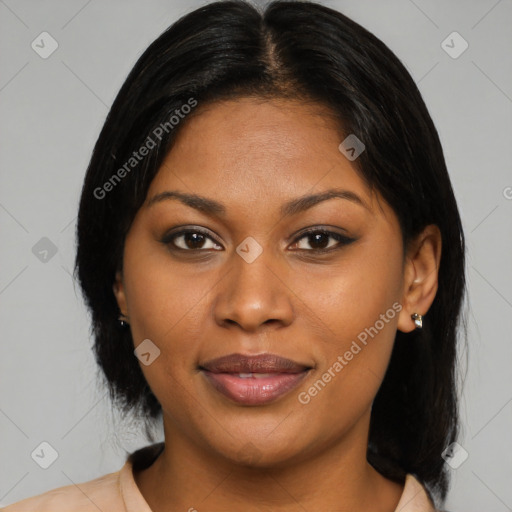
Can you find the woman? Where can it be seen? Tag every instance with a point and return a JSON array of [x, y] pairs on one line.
[[270, 247]]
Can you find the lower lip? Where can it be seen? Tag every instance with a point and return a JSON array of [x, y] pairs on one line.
[[254, 391]]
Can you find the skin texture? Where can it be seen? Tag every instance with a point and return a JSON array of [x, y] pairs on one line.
[[254, 155]]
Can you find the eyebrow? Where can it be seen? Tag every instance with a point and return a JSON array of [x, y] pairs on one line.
[[298, 205]]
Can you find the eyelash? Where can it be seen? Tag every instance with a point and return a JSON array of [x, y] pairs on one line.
[[341, 239]]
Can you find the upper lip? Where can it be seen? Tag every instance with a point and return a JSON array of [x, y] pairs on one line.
[[262, 363]]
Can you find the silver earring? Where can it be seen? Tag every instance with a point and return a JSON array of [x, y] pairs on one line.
[[122, 321], [418, 320]]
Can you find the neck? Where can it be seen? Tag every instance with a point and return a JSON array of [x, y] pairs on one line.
[[337, 477]]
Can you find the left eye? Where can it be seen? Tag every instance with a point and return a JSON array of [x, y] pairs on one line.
[[319, 240]]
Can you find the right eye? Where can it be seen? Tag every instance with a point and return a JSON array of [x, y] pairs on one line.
[[190, 240]]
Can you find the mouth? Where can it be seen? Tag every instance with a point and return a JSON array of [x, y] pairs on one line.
[[254, 380]]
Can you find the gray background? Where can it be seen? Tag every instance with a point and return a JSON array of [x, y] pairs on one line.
[[51, 112]]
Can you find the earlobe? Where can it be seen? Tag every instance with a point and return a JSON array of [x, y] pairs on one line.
[[420, 277]]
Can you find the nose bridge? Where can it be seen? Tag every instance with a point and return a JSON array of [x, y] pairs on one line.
[[251, 294]]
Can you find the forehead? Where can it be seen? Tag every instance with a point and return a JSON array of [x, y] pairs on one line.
[[248, 150]]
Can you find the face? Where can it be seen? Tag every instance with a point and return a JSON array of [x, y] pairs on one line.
[[262, 269]]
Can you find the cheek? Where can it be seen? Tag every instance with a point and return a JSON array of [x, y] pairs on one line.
[[354, 356], [351, 297], [357, 305], [166, 299], [167, 306]]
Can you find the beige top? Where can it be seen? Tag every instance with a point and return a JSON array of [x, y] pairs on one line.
[[118, 492]]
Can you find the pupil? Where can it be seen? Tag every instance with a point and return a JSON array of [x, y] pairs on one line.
[[316, 240], [194, 240]]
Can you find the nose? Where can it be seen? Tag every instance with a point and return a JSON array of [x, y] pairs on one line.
[[252, 295]]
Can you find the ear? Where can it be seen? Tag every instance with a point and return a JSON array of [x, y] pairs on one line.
[[119, 293], [420, 276]]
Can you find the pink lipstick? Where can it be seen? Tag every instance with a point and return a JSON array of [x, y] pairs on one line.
[[254, 380]]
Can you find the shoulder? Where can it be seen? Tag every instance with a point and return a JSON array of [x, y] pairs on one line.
[[112, 492], [101, 493], [415, 497]]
